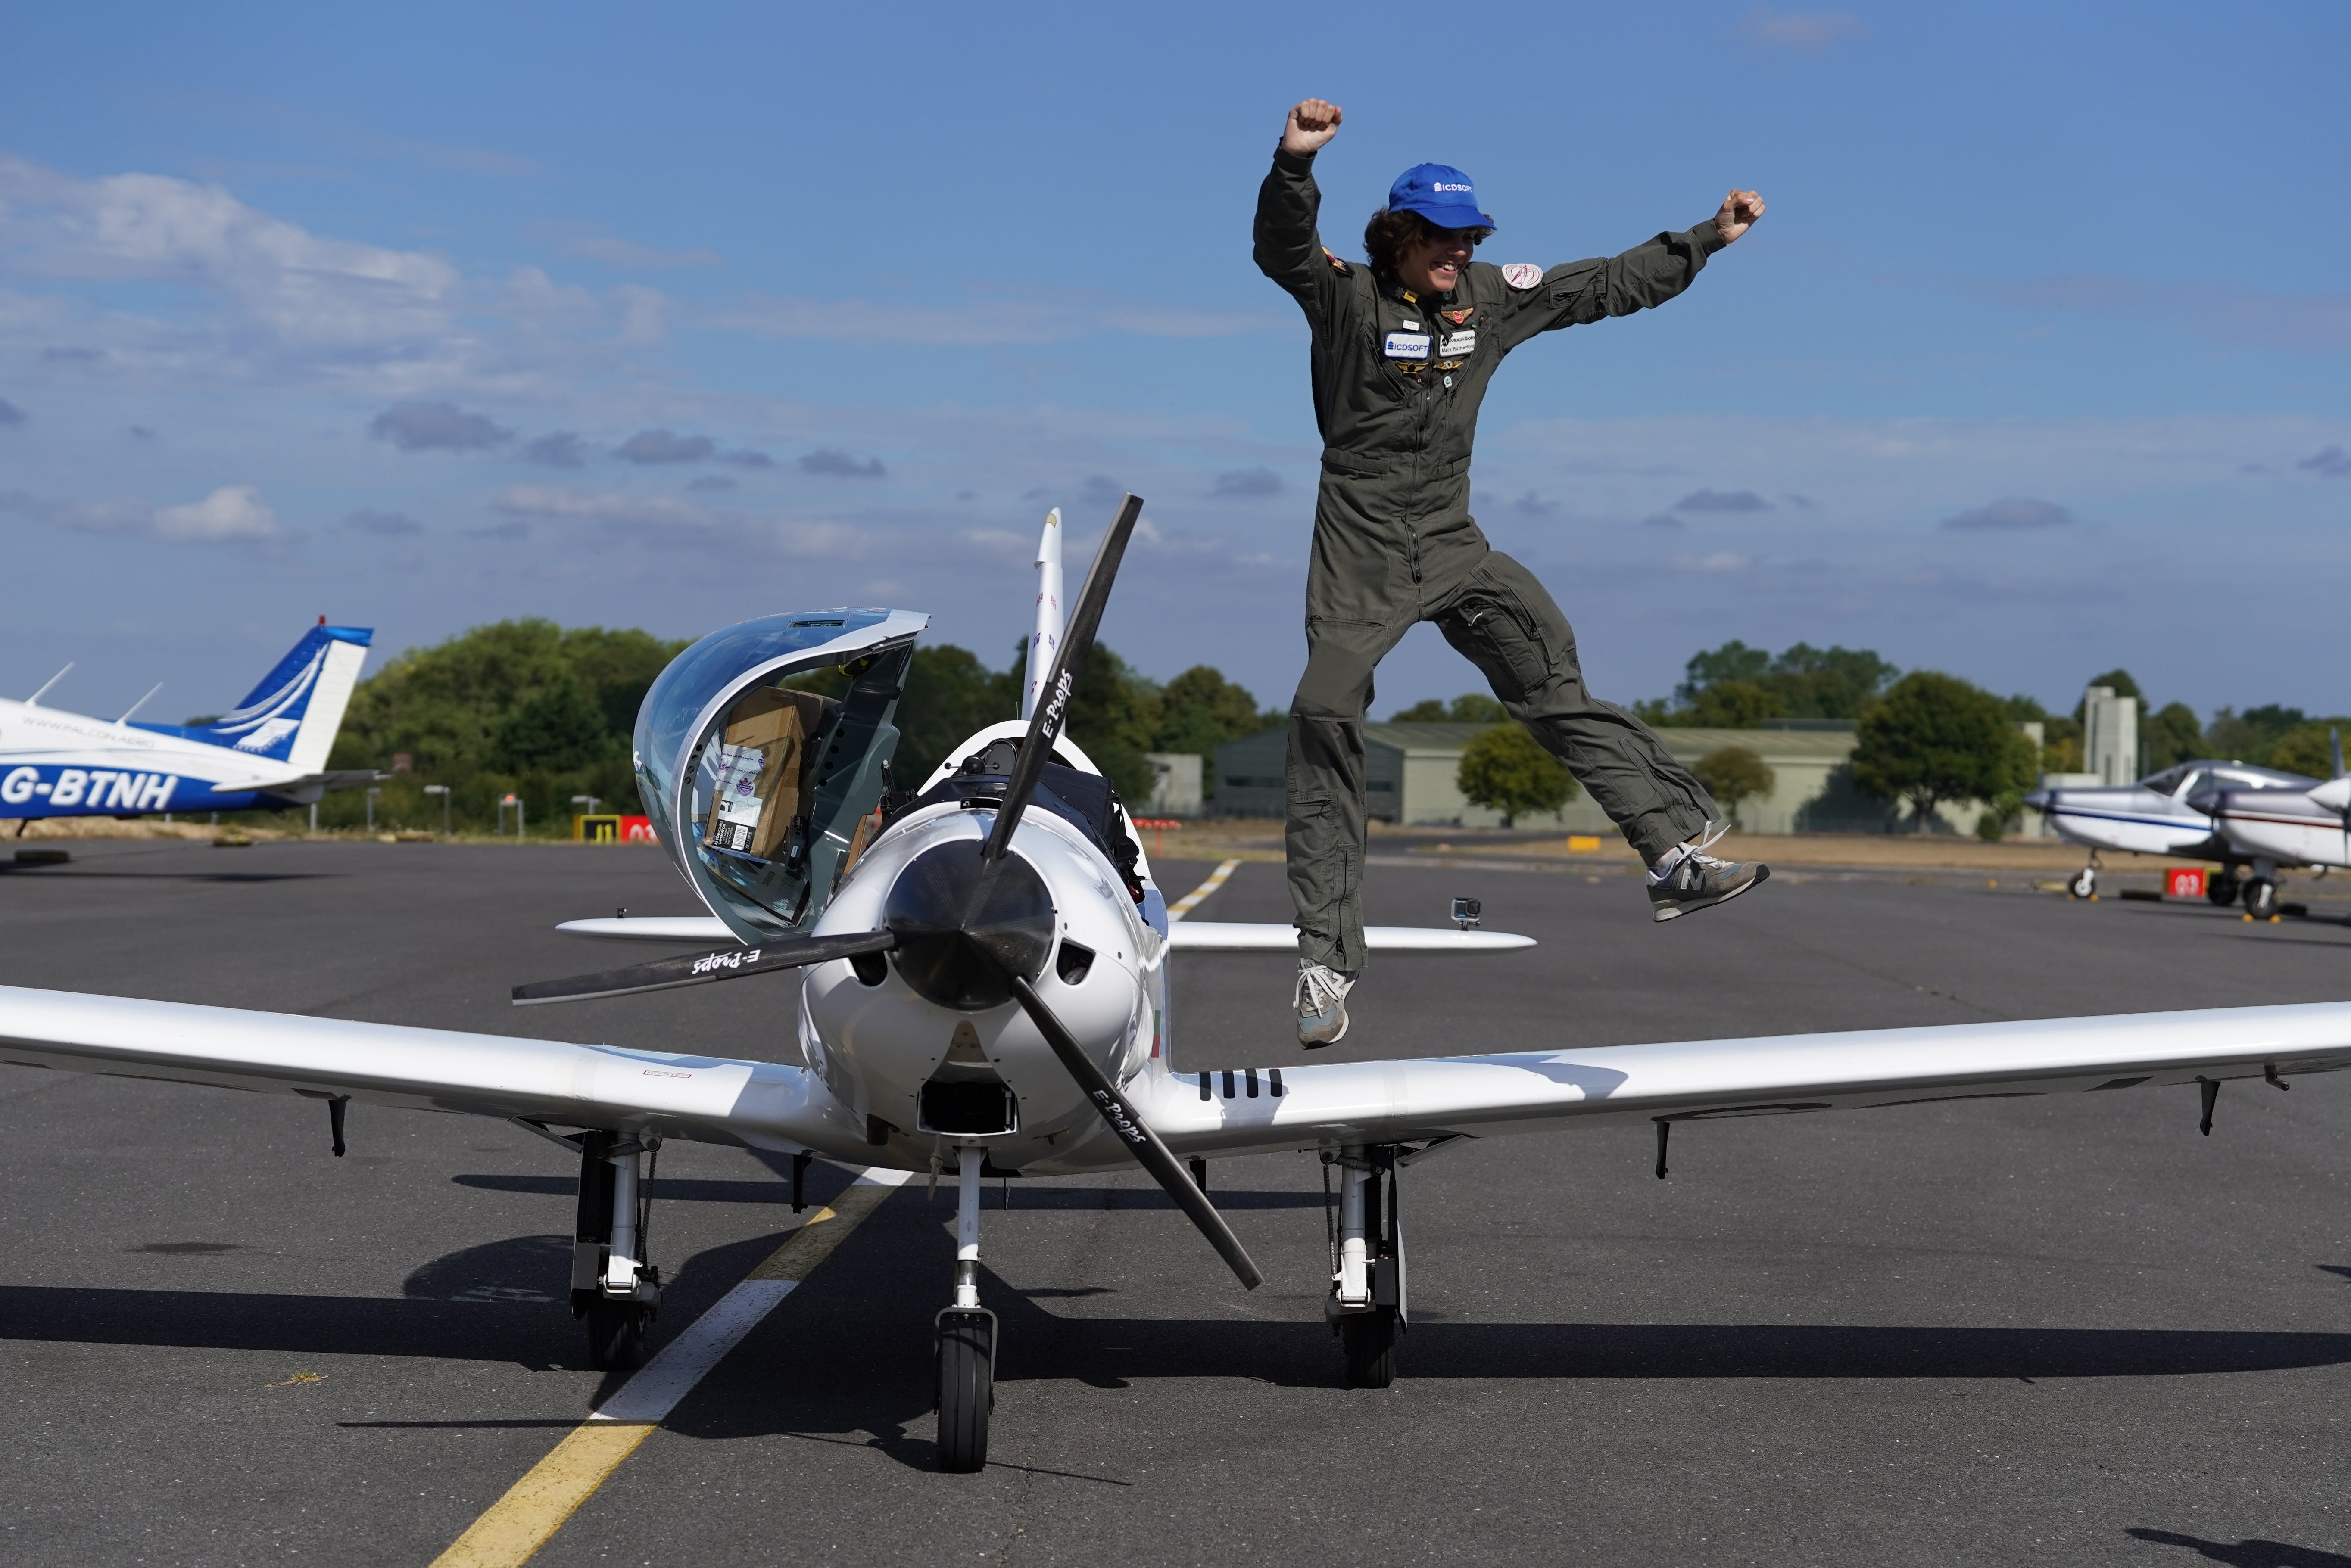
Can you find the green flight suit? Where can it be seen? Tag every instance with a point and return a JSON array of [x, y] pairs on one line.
[[1394, 542]]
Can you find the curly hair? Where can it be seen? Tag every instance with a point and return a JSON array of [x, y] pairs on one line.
[[1393, 228]]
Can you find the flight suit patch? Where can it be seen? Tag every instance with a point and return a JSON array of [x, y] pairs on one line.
[[1337, 265], [1523, 274], [1459, 317], [1407, 346], [1458, 345]]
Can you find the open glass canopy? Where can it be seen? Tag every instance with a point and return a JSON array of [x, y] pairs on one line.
[[760, 751]]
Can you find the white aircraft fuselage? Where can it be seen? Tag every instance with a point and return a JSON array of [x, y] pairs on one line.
[[271, 751], [2159, 815]]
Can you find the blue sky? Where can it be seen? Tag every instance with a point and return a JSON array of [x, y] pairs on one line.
[[419, 317]]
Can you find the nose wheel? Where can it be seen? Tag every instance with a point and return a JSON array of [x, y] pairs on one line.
[[2084, 884], [967, 1338], [2260, 898], [2220, 888]]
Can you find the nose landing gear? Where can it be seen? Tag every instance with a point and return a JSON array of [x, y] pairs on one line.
[[2084, 882], [966, 1337]]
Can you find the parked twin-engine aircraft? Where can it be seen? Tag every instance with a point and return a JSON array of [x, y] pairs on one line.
[[987, 993], [271, 751], [2169, 813], [2270, 828]]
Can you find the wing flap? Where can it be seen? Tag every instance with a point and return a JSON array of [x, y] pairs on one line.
[[713, 1099], [1534, 1090]]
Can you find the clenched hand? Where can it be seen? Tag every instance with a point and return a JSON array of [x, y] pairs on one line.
[[1740, 210], [1310, 125]]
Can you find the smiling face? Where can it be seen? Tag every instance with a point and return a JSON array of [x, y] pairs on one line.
[[1431, 262]]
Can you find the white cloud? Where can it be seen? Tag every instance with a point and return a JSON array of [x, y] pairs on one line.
[[303, 289], [233, 511], [255, 296]]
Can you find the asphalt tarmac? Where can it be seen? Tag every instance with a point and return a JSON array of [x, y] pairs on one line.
[[2064, 1330]]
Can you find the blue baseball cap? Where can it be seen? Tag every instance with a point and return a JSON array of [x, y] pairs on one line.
[[1439, 192]]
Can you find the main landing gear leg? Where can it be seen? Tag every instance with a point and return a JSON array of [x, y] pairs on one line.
[[966, 1342], [613, 1288], [1366, 1306]]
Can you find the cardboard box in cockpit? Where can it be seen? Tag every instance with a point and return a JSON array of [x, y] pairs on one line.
[[761, 763]]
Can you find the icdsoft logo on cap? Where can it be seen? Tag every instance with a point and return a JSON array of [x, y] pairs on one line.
[[1439, 192]]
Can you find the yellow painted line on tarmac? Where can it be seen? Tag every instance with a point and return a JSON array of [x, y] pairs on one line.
[[537, 1506], [1192, 900]]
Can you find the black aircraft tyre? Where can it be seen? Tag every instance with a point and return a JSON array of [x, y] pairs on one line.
[[2261, 898], [967, 1393], [616, 1335], [1369, 1338], [2221, 888], [2084, 884]]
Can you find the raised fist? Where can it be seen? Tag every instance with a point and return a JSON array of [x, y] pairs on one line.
[[1740, 210], [1310, 125]]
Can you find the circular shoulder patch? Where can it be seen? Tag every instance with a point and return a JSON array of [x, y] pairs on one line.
[[1523, 274]]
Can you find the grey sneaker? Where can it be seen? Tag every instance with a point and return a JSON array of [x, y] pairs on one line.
[[1322, 1003], [1699, 881]]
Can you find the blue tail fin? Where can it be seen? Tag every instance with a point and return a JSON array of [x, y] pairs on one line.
[[292, 716]]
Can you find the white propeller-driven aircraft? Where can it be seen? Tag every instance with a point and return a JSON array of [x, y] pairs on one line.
[[2168, 812], [987, 964], [2309, 824], [270, 751]]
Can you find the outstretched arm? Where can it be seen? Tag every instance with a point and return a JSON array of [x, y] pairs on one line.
[[1288, 251], [1577, 293]]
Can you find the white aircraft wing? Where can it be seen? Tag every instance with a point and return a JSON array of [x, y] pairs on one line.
[[1184, 936], [1395, 1101], [705, 1098]]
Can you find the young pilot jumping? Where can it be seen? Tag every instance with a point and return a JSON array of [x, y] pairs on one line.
[[1403, 349]]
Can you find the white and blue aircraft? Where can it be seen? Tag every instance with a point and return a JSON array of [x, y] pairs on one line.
[[986, 959], [270, 752], [2168, 812]]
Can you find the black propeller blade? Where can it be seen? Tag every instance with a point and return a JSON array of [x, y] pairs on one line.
[[1053, 702], [698, 969], [989, 906], [1141, 1141]]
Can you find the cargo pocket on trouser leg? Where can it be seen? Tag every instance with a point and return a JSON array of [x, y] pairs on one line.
[[1508, 624], [1487, 624]]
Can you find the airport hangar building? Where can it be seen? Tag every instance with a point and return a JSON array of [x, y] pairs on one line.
[[1411, 779]]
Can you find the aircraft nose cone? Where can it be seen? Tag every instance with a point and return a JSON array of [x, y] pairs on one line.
[[2208, 801], [2041, 799], [961, 925]]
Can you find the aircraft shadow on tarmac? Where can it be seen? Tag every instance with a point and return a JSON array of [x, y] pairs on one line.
[[1019, 1196], [2248, 1553], [480, 1324]]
